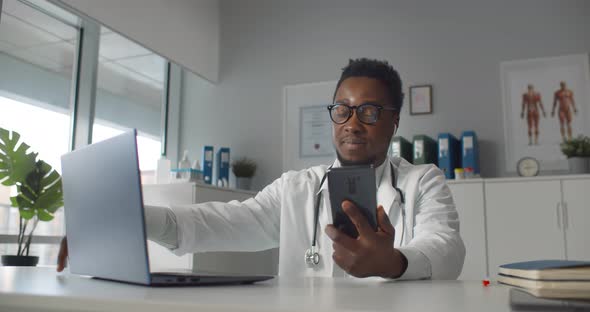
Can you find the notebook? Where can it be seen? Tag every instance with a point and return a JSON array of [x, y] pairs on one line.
[[105, 224], [549, 289], [549, 278], [548, 270], [520, 300]]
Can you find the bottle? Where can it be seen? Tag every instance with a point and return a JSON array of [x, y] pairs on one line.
[[184, 166], [459, 174], [468, 173], [163, 170], [196, 173]]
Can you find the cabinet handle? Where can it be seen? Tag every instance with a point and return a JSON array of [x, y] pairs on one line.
[[558, 213], [565, 217]]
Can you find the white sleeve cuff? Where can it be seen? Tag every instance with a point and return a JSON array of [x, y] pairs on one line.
[[418, 264]]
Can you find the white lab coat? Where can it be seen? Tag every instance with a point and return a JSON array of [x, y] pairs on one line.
[[283, 212]]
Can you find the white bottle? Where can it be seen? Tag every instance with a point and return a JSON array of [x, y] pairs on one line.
[[163, 170], [184, 165]]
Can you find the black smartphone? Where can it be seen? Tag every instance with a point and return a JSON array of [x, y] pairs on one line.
[[357, 184]]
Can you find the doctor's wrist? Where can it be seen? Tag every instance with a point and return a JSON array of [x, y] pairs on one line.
[[399, 265]]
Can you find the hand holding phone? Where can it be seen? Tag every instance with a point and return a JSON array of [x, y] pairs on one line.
[[356, 184]]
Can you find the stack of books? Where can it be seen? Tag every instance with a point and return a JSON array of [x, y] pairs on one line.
[[560, 279]]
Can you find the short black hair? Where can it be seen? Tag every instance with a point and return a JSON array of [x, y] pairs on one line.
[[380, 70]]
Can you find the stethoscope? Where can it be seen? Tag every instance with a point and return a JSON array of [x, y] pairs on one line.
[[312, 256]]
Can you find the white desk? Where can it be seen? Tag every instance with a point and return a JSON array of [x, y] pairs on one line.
[[42, 289]]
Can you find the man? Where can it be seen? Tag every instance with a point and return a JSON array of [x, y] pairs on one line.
[[565, 98], [367, 102], [530, 99]]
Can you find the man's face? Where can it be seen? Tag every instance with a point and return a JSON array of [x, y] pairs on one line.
[[356, 142]]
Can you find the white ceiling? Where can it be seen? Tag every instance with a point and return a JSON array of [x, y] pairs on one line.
[[125, 68]]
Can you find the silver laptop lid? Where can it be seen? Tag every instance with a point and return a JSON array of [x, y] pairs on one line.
[[104, 211]]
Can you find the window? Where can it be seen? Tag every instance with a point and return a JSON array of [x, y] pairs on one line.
[[129, 95], [37, 48]]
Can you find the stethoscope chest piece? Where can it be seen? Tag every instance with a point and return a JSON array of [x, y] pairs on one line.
[[312, 257]]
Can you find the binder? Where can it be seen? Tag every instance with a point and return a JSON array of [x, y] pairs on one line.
[[424, 150], [222, 166], [207, 161], [400, 147], [470, 151], [449, 154]]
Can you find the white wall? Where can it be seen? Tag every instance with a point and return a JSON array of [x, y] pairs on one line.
[[455, 45], [185, 31]]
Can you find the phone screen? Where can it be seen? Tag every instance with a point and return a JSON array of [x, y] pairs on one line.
[[357, 184]]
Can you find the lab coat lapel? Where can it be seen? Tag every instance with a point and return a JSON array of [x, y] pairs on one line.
[[385, 192]]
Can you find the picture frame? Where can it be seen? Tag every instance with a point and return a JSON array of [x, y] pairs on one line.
[[534, 117], [421, 100], [315, 126]]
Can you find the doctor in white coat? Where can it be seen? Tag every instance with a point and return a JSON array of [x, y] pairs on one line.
[[418, 226]]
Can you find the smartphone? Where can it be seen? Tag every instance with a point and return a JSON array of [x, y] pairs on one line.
[[357, 184]]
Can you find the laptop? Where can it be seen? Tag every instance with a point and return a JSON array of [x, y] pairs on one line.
[[105, 224]]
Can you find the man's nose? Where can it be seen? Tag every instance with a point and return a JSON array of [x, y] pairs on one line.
[[353, 124]]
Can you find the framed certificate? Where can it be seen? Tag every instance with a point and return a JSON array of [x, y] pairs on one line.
[[315, 132], [421, 100]]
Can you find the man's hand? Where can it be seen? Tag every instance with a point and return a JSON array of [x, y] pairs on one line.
[[371, 253], [62, 256]]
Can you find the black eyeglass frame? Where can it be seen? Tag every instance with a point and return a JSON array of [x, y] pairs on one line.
[[355, 108]]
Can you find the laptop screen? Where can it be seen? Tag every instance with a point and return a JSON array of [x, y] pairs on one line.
[[104, 211]]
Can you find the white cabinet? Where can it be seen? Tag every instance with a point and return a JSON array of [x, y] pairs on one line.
[[469, 200], [524, 221], [576, 216], [263, 262]]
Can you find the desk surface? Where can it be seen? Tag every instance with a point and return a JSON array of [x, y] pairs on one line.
[[36, 289]]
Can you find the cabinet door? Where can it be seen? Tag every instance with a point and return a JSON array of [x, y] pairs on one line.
[[469, 202], [576, 197], [522, 222]]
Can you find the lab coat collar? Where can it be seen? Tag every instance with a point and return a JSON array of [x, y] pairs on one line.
[[324, 186], [386, 194]]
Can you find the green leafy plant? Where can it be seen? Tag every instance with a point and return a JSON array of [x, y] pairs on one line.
[[244, 167], [39, 191], [577, 147]]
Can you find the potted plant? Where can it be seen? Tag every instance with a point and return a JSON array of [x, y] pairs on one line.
[[577, 151], [244, 169], [38, 192]]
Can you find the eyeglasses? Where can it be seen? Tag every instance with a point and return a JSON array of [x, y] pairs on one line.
[[367, 113]]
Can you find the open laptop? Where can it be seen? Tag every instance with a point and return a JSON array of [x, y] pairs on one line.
[[105, 218]]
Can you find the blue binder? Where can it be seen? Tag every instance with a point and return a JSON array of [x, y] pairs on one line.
[[449, 154], [222, 165], [470, 151], [207, 161]]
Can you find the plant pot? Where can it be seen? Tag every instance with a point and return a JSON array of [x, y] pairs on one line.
[[579, 164], [20, 260], [243, 183]]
